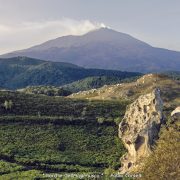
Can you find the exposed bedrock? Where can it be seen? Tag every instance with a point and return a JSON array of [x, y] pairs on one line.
[[139, 129]]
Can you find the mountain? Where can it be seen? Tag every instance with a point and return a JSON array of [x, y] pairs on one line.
[[20, 72], [106, 49]]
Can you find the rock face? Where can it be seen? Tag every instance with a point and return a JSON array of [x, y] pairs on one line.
[[139, 129], [176, 113]]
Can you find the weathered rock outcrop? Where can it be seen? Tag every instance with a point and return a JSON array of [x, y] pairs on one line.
[[176, 113], [139, 129]]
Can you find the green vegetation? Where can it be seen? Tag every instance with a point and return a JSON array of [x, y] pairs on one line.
[[8, 104], [81, 85], [170, 91], [96, 82], [46, 90], [32, 105], [8, 167], [164, 163], [42, 134], [23, 175], [61, 147], [20, 72]]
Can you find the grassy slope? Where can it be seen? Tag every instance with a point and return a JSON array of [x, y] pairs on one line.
[[54, 134], [170, 90], [95, 82], [80, 85]]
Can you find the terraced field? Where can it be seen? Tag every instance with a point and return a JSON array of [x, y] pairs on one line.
[[41, 134]]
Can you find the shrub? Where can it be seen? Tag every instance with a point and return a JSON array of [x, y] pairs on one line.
[[164, 162], [8, 104], [117, 120], [100, 120]]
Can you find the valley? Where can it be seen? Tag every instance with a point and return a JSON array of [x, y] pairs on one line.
[[89, 90]]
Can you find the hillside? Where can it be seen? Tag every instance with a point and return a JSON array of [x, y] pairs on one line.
[[106, 49], [45, 90], [76, 86], [170, 90], [173, 74], [41, 134], [20, 72], [95, 82]]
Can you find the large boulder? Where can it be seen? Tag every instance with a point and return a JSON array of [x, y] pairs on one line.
[[139, 129]]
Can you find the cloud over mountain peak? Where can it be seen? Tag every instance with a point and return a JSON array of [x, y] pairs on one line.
[[30, 33]]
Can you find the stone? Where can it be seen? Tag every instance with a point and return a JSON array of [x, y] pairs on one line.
[[176, 114], [139, 129]]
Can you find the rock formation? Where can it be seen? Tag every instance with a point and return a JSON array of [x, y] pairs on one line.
[[139, 129], [176, 113]]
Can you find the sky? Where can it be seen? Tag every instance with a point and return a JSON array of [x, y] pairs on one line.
[[24, 23]]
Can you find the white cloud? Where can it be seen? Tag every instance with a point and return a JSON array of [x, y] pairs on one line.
[[24, 35]]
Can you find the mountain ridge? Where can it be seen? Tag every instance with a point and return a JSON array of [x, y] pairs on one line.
[[20, 72], [105, 49]]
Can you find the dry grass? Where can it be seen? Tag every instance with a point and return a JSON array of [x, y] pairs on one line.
[[170, 90]]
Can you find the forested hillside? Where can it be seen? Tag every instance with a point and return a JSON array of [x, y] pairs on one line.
[[20, 72]]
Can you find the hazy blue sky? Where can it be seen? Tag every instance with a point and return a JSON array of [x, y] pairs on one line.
[[24, 23]]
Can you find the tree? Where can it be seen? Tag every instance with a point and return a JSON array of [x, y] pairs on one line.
[[8, 104]]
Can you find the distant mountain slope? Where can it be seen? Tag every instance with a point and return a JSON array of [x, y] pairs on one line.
[[76, 86], [95, 82], [106, 49], [20, 72], [173, 74]]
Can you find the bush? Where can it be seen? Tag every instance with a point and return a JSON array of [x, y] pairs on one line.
[[117, 120], [164, 162], [100, 120], [8, 104]]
